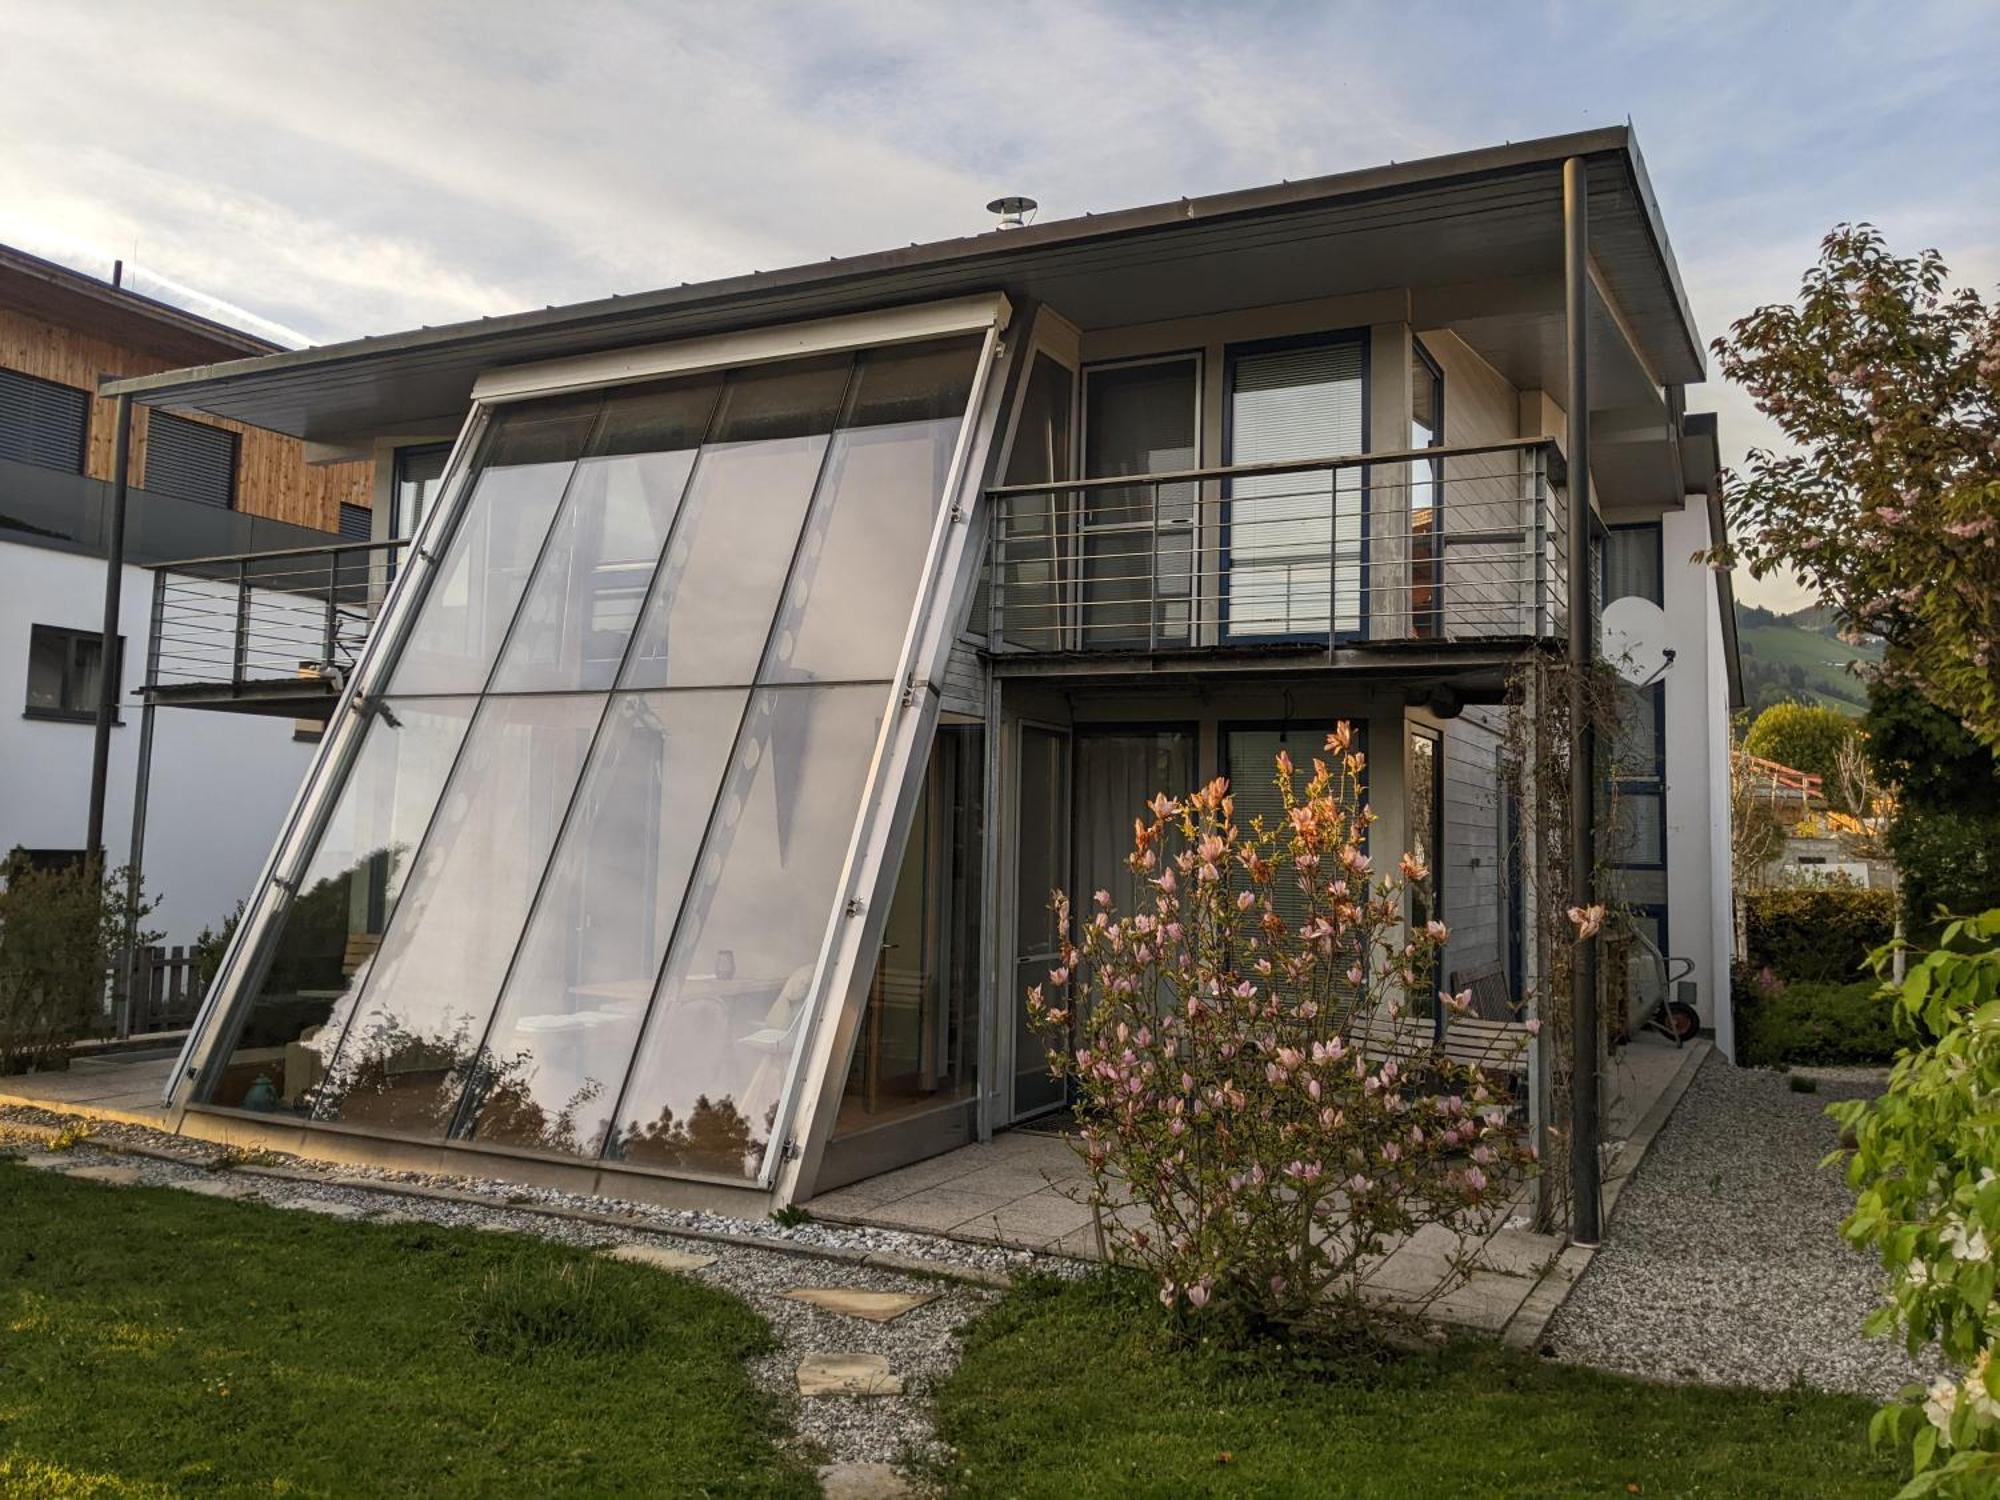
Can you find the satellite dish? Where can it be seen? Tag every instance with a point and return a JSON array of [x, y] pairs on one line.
[[1634, 632]]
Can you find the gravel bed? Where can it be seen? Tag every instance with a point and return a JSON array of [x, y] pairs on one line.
[[921, 1346], [1723, 1263]]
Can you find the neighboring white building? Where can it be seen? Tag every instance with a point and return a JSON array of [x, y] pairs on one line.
[[220, 783]]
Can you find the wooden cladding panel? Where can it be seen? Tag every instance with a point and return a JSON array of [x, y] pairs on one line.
[[273, 478]]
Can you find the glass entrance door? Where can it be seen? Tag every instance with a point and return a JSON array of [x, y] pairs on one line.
[[1041, 867]]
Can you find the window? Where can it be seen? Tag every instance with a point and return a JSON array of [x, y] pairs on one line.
[[63, 672], [190, 460], [1631, 565], [43, 423], [1137, 544], [1426, 498], [357, 523], [1294, 545], [419, 476]]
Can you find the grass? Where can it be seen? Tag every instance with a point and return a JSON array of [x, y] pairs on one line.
[[1814, 1024], [153, 1343], [1824, 661], [1074, 1391]]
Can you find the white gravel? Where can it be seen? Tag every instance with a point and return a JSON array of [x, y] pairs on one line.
[[1723, 1263], [921, 1345]]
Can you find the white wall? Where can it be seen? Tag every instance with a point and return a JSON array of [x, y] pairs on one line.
[[221, 782], [1698, 875]]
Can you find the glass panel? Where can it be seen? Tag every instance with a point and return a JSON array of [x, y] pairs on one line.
[[1300, 403], [711, 606], [861, 563], [470, 602], [1424, 789], [1638, 750], [730, 1010], [48, 670], [1028, 523], [1631, 562], [1117, 773], [1638, 827], [325, 940], [419, 477], [919, 1034], [1041, 866], [569, 1019], [1137, 543], [1426, 486], [433, 984], [1251, 758], [599, 561]]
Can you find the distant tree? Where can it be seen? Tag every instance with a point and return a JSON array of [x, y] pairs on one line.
[[1887, 384], [1805, 738]]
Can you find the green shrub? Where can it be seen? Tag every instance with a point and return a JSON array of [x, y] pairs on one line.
[[1947, 860], [1824, 933], [1816, 1025], [59, 931], [1805, 737]]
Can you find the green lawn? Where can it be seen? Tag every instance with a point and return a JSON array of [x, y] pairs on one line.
[[153, 1343], [1071, 1392]]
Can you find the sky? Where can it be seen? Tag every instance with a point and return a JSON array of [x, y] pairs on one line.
[[317, 170]]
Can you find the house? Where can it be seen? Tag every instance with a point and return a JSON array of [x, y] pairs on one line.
[[768, 650], [199, 485]]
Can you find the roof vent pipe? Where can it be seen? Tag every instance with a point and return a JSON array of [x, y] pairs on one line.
[[1014, 212]]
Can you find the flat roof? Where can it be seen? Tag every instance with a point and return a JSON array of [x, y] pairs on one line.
[[1467, 216], [66, 297]]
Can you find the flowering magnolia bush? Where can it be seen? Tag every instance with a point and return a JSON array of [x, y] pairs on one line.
[[1262, 1114], [1926, 1169]]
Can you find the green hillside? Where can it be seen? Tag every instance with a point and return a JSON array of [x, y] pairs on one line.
[[1798, 658]]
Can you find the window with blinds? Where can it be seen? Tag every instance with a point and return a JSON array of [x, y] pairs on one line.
[[190, 460], [43, 423], [1632, 564], [1294, 546], [356, 522]]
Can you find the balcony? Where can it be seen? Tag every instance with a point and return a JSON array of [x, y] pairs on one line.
[[1435, 547], [264, 632]]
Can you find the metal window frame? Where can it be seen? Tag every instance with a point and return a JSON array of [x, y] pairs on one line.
[[73, 639], [1324, 338], [911, 711]]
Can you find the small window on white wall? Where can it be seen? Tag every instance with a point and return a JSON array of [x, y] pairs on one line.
[[65, 672]]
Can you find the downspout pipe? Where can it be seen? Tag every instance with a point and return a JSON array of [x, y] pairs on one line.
[[111, 666], [1586, 1198]]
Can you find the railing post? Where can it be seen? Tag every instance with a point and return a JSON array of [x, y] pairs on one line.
[[240, 654], [332, 611], [1541, 617], [1153, 577]]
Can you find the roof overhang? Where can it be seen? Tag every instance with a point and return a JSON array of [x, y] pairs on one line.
[[1491, 213], [67, 298]]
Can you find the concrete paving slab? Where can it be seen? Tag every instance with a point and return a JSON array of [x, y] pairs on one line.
[[660, 1258], [848, 1375], [854, 1302], [325, 1207], [109, 1176], [218, 1187], [864, 1482]]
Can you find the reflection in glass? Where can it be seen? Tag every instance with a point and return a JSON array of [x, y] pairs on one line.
[[1030, 525], [731, 1007], [569, 1019], [859, 565], [1137, 541], [594, 573], [433, 983], [918, 1045], [329, 933], [710, 610], [1041, 868]]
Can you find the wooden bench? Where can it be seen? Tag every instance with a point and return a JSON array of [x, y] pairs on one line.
[[1470, 1041]]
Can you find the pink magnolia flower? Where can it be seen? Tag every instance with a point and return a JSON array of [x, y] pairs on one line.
[[1588, 920]]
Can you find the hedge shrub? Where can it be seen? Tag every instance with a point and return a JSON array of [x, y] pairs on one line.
[[1947, 860], [1816, 1025], [1819, 933]]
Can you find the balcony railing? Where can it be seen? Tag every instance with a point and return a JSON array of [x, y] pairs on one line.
[[1464, 544], [278, 624]]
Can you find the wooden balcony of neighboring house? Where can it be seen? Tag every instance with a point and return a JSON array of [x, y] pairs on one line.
[[275, 632], [1449, 559]]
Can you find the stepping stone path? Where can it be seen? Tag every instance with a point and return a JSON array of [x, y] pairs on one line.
[[876, 1307], [109, 1176], [219, 1187], [45, 1161], [660, 1258], [324, 1206], [848, 1375], [863, 1482]]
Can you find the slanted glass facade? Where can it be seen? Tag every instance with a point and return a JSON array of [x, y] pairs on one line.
[[573, 891]]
